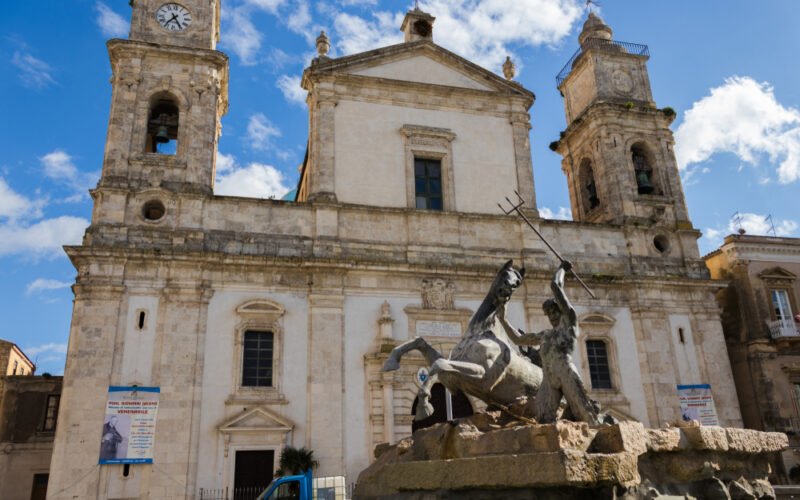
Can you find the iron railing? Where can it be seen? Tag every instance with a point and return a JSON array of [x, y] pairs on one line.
[[636, 49], [250, 493], [780, 329]]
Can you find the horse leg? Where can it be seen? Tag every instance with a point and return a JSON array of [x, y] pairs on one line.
[[452, 374], [429, 353]]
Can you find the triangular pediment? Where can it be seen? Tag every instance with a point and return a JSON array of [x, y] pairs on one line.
[[422, 69], [777, 273], [419, 62], [257, 419]]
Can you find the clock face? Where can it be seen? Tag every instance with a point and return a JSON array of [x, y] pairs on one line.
[[173, 17]]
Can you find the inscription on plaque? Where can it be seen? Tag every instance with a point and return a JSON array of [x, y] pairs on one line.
[[439, 328]]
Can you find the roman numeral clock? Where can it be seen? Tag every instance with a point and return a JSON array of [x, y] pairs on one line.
[[174, 17]]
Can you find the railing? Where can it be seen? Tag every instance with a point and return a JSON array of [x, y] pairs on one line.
[[781, 329], [636, 49], [250, 493]]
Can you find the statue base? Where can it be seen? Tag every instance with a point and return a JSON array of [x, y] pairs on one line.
[[489, 455]]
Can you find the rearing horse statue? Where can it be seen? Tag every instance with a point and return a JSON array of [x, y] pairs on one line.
[[485, 363]]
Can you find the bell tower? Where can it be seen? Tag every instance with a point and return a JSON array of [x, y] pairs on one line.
[[617, 147], [169, 91]]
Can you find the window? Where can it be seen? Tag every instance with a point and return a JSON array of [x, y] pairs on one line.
[[51, 412], [15, 367], [257, 359], [780, 303], [162, 125], [598, 364], [428, 183], [588, 186]]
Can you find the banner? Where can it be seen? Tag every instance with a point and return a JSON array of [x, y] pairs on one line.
[[129, 427], [697, 403]]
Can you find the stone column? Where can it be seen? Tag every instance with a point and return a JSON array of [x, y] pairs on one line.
[[326, 391], [520, 124], [388, 409], [322, 184]]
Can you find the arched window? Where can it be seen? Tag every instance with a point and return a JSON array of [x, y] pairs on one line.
[[588, 186], [643, 168], [599, 371], [460, 405], [163, 120]]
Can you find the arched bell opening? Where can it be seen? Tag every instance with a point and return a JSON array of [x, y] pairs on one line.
[[588, 187], [460, 405], [163, 121], [644, 169]]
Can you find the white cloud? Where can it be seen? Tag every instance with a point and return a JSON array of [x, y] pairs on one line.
[[300, 19], [15, 206], [111, 24], [240, 35], [480, 30], [58, 166], [34, 72], [256, 180], [42, 239], [354, 34], [51, 347], [563, 213], [225, 162], [347, 3], [292, 91], [260, 132], [742, 117], [41, 284], [267, 5], [753, 224]]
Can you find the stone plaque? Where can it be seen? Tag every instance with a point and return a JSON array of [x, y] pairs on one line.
[[439, 328], [623, 82]]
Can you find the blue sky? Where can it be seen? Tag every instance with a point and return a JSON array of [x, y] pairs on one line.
[[729, 68]]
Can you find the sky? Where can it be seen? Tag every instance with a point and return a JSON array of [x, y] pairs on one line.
[[728, 67]]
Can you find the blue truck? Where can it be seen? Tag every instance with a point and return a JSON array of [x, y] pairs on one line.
[[305, 487]]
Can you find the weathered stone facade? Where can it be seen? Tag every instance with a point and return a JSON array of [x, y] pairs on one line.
[[28, 411], [764, 351], [338, 276]]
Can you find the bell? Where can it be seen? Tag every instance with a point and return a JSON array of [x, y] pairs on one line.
[[161, 136], [643, 180]]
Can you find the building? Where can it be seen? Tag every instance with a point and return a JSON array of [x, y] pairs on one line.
[[762, 330], [28, 413], [265, 322], [13, 361]]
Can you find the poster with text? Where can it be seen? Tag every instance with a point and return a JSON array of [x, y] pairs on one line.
[[697, 403], [129, 426]]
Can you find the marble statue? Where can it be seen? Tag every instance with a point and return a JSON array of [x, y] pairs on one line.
[[485, 364], [556, 349]]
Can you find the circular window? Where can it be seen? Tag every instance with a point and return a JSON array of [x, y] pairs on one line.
[[153, 210], [661, 243]]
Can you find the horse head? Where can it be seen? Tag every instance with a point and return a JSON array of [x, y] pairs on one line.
[[507, 280]]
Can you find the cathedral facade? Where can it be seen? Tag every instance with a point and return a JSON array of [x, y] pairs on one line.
[[264, 323]]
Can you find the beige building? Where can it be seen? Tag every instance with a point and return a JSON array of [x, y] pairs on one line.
[[13, 361], [28, 414], [265, 322], [762, 330]]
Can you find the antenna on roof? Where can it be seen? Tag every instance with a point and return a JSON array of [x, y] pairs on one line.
[[737, 220], [589, 4], [768, 218]]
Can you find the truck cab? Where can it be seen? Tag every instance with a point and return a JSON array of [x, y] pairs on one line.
[[305, 487]]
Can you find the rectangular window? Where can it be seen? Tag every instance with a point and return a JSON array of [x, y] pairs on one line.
[[257, 359], [780, 302], [51, 412], [598, 364], [15, 367], [428, 183]]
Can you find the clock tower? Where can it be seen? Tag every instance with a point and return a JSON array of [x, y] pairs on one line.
[[169, 93], [617, 148]]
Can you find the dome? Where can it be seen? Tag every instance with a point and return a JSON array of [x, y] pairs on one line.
[[594, 27]]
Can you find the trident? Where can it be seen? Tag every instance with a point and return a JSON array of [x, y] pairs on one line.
[[515, 208]]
